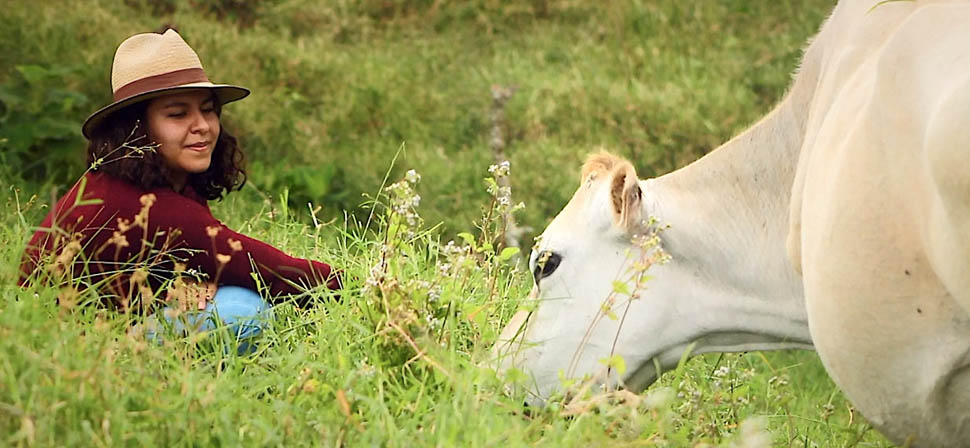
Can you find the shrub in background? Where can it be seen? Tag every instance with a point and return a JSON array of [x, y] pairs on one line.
[[39, 131]]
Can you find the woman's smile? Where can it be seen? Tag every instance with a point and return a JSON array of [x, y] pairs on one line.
[[199, 146]]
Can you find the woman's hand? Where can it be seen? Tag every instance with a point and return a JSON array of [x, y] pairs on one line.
[[188, 294]]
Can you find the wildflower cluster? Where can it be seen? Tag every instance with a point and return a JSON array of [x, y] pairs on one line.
[[404, 308], [404, 201], [501, 211], [716, 402], [417, 311], [402, 222]]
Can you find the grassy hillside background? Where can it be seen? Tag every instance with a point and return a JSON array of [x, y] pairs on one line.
[[341, 88]]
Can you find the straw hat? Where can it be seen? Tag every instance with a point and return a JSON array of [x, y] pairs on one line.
[[150, 65]]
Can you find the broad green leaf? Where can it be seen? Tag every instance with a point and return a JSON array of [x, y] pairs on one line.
[[620, 287], [508, 253], [32, 73], [615, 362], [468, 238]]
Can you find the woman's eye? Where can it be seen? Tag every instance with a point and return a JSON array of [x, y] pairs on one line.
[[546, 264], [176, 115]]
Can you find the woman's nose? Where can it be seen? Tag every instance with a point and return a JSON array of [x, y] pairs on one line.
[[199, 122]]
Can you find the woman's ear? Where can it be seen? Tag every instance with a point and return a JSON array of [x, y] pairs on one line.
[[626, 197]]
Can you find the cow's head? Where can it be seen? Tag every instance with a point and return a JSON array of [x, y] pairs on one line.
[[593, 301]]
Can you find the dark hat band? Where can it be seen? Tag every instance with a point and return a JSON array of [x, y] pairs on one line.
[[165, 80]]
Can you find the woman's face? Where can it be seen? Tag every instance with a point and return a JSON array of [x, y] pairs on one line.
[[185, 125]]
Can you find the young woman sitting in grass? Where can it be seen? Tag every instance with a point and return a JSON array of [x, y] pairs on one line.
[[137, 226]]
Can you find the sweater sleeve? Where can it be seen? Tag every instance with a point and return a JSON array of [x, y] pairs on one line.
[[230, 257]]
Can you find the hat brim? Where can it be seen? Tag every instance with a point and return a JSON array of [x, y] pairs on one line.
[[224, 92]]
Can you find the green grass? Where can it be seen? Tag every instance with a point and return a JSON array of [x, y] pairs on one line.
[[339, 87]]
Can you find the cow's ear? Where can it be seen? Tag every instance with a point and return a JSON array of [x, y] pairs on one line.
[[626, 197]]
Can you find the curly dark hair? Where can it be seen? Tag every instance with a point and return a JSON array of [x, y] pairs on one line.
[[117, 147]]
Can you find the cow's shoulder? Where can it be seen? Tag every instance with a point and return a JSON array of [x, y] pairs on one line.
[[872, 63]]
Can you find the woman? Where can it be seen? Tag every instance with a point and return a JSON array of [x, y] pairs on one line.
[[137, 224]]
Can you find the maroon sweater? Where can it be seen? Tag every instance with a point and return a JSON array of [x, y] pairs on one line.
[[117, 226]]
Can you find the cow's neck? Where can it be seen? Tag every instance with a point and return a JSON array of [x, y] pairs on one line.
[[728, 217]]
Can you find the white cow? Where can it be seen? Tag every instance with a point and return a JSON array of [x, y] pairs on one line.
[[839, 222]]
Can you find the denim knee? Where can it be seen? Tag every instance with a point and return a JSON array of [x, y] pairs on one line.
[[241, 310]]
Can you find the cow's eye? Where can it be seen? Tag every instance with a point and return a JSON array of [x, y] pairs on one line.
[[546, 264]]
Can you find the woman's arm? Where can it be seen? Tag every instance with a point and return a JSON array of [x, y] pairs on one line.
[[230, 257]]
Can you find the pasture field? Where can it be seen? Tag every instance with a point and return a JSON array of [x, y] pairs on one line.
[[349, 96]]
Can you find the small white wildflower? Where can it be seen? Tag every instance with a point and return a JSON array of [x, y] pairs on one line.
[[412, 176], [404, 201], [444, 268], [500, 170], [492, 189], [695, 396], [364, 368], [434, 294], [779, 380], [722, 372], [452, 249], [376, 275]]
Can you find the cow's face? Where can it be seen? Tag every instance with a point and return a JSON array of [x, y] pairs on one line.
[[585, 268]]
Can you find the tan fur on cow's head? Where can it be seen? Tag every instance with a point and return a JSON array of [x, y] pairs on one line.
[[600, 163], [625, 194]]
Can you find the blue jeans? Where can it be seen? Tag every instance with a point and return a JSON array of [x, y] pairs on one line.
[[240, 309]]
